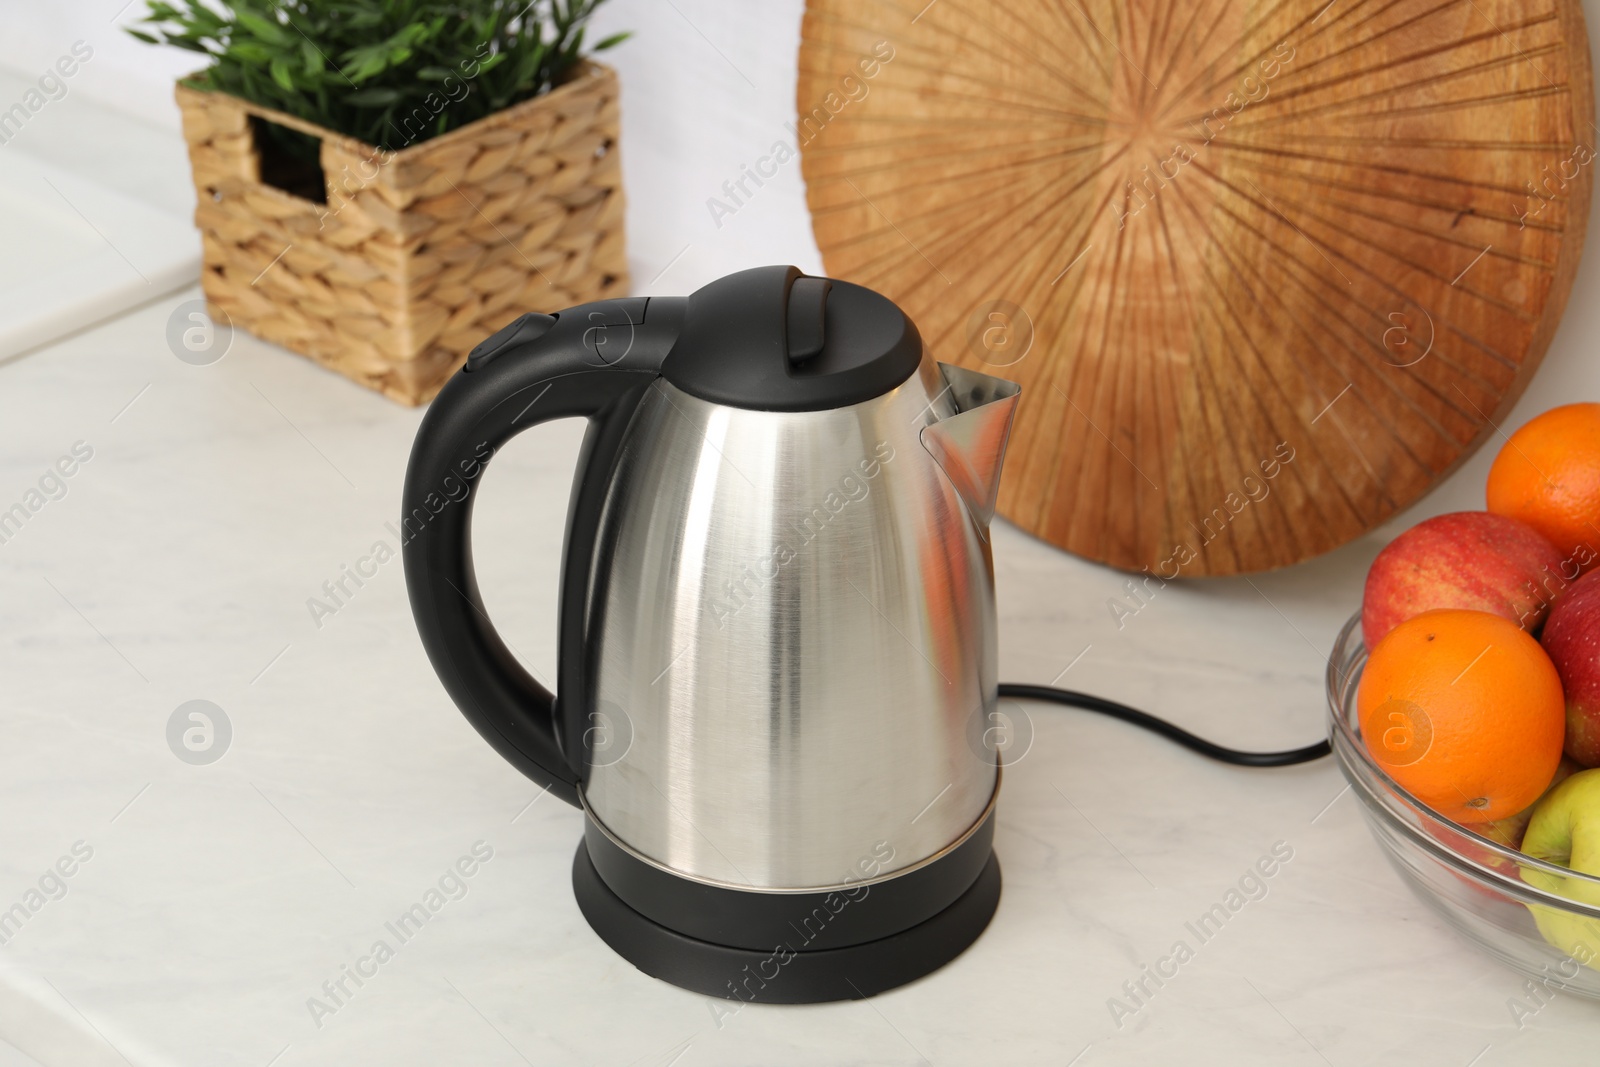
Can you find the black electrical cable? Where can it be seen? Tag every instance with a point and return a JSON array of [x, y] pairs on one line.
[[1164, 728]]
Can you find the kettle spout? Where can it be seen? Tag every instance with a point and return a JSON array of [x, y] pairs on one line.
[[970, 446]]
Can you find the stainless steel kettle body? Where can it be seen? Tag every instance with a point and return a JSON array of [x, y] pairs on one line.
[[778, 648], [795, 634]]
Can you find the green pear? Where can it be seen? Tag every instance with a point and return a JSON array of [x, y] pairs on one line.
[[1565, 831]]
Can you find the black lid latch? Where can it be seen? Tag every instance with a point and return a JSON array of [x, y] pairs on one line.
[[807, 318]]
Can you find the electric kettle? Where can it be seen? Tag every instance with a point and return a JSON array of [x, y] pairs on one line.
[[777, 664]]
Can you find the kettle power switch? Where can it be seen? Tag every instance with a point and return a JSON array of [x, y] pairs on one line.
[[529, 327], [806, 320]]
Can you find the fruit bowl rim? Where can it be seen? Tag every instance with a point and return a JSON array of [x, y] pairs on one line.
[[1364, 775]]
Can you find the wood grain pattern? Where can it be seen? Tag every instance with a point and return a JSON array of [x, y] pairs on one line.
[[1267, 271], [418, 254]]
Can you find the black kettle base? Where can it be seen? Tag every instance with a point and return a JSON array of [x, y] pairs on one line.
[[781, 975]]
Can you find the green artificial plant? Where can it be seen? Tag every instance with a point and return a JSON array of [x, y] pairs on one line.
[[390, 73]]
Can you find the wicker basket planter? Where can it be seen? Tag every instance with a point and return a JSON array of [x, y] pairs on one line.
[[418, 254]]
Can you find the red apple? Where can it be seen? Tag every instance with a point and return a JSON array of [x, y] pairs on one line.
[[1572, 637], [1467, 559]]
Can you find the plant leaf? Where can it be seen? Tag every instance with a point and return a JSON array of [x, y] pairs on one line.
[[263, 28], [373, 97], [353, 66]]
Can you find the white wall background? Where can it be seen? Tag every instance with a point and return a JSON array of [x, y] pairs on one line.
[[708, 85]]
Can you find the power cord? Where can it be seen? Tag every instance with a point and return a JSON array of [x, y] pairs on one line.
[[1164, 728]]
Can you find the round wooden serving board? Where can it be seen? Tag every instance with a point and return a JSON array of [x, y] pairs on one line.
[[1267, 271]]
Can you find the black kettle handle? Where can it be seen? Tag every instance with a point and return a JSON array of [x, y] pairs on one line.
[[594, 361]]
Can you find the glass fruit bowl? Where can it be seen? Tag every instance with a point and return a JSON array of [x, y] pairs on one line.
[[1518, 909]]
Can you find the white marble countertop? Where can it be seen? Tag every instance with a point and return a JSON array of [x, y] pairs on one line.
[[218, 898]]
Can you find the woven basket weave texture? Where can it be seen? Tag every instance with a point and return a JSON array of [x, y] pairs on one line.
[[420, 253]]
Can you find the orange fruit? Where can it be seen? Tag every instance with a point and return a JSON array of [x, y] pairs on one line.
[[1548, 475], [1464, 710]]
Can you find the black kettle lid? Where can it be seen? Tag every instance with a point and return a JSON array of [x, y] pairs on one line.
[[774, 339]]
